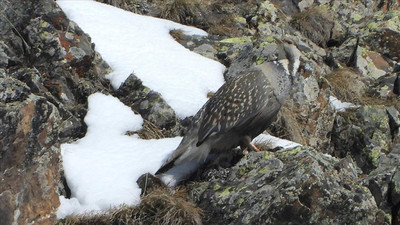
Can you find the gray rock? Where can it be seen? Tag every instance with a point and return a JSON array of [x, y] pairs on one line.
[[30, 159], [291, 186], [43, 99], [364, 134], [149, 104], [12, 90], [394, 122], [384, 183]]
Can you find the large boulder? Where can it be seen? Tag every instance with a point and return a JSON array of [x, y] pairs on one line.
[[30, 168], [290, 186], [48, 67], [149, 104], [364, 134], [384, 182]]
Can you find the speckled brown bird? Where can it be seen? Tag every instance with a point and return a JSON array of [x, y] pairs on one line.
[[240, 110]]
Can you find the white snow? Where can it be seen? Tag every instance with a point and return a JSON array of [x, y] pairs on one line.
[[140, 44], [275, 142], [341, 106], [102, 168]]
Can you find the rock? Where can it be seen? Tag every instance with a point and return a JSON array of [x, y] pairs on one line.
[[291, 186], [317, 24], [386, 42], [384, 183], [364, 134], [216, 17], [48, 67], [12, 90], [394, 122], [148, 103], [30, 164]]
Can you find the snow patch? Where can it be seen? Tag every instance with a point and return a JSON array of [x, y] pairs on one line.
[[341, 106], [275, 142], [102, 168], [132, 43]]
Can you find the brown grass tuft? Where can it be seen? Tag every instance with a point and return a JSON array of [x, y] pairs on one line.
[[315, 23], [346, 85], [182, 11], [177, 34], [149, 131], [160, 207], [288, 125]]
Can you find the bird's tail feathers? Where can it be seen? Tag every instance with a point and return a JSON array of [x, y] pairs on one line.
[[185, 165], [194, 153], [178, 173]]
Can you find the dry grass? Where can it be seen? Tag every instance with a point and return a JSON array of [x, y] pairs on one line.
[[315, 23], [177, 34], [288, 125], [182, 11], [346, 85], [370, 100], [149, 131], [159, 207]]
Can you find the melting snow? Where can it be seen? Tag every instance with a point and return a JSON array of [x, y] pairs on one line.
[[341, 106], [274, 142], [102, 168], [130, 42]]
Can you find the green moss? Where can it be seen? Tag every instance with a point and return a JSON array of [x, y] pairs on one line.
[[226, 192], [240, 201], [372, 26], [334, 6], [44, 34], [388, 218], [364, 52], [241, 170], [393, 23], [375, 153], [267, 154], [237, 40], [356, 17], [44, 24], [240, 19], [289, 152], [260, 60], [263, 170], [216, 187], [223, 48]]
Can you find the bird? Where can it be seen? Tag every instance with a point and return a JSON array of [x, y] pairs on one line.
[[241, 109]]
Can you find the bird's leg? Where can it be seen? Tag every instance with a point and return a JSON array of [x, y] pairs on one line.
[[253, 147], [246, 145]]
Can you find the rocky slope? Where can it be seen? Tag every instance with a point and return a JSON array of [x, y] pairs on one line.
[[48, 67]]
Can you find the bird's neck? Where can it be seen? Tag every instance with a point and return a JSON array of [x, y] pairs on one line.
[[285, 81]]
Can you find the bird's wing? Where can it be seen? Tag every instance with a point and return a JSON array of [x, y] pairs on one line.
[[235, 104]]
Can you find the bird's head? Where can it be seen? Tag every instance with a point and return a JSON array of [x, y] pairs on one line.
[[292, 54]]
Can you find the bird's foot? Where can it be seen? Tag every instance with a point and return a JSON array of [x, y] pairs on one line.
[[253, 147], [250, 147]]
